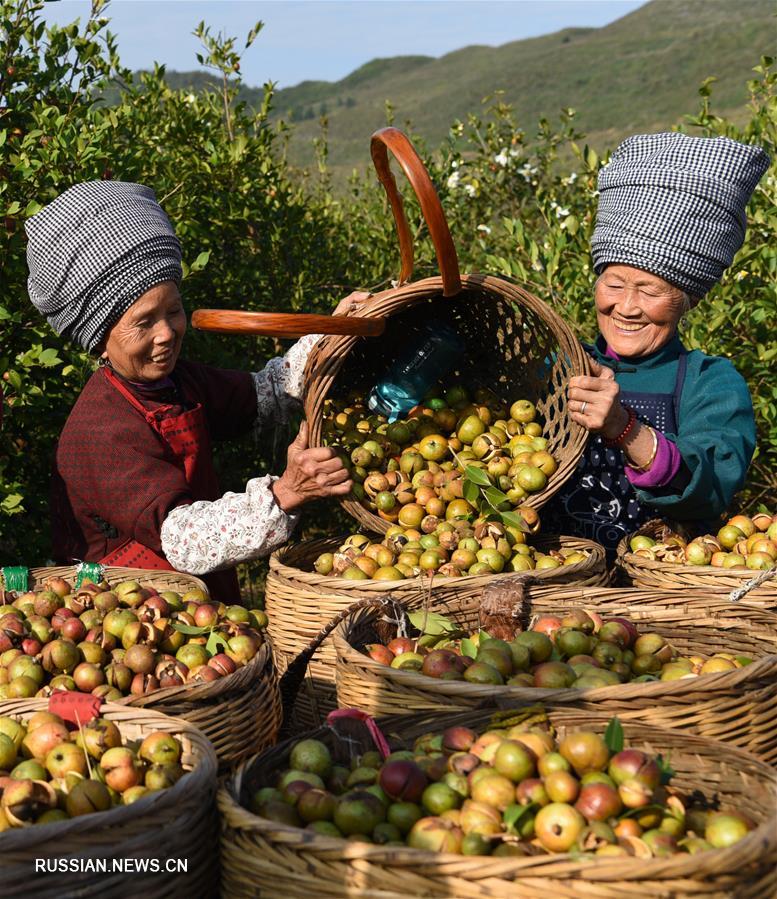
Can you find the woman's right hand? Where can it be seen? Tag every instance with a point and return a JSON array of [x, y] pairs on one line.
[[311, 473]]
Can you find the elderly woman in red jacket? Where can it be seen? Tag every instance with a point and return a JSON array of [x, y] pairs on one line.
[[134, 482]]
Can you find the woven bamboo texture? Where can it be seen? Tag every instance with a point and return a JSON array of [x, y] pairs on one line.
[[262, 858], [642, 572], [509, 336], [299, 602], [738, 707], [240, 714], [159, 580], [178, 823]]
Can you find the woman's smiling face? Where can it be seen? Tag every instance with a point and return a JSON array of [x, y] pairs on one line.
[[145, 342], [637, 312]]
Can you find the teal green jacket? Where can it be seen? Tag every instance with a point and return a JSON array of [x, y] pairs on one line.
[[716, 430]]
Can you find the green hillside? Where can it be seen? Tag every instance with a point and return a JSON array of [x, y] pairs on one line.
[[641, 72]]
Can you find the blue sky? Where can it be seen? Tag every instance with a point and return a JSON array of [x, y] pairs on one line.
[[327, 39]]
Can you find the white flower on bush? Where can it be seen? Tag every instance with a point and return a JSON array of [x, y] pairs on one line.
[[501, 158], [484, 228], [453, 180], [190, 98], [470, 190], [527, 171], [571, 179], [561, 211], [741, 275], [514, 152]]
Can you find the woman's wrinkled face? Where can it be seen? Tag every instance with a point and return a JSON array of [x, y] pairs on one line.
[[145, 342], [637, 312]]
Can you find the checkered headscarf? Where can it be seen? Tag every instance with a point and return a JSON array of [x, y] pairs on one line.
[[95, 250], [674, 206]]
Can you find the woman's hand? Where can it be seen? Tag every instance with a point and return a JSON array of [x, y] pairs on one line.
[[311, 473], [352, 303], [595, 402]]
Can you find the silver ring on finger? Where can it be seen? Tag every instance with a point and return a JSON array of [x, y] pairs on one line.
[[582, 407]]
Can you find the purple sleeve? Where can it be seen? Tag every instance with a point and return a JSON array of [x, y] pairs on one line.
[[664, 468]]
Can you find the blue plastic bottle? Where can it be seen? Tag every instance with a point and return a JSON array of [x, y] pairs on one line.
[[429, 357]]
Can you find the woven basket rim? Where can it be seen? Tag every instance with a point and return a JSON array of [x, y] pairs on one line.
[[202, 774], [280, 567], [673, 572], [766, 666], [764, 837], [116, 571], [395, 299]]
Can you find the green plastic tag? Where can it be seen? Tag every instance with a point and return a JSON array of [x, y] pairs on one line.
[[15, 578], [88, 571]]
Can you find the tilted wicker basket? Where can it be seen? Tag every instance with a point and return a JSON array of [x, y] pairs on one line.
[[299, 602], [177, 825], [260, 857], [514, 342], [738, 707]]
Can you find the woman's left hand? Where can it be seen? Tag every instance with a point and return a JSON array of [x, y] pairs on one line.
[[352, 303], [595, 402]]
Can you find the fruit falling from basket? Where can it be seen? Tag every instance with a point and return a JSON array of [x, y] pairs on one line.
[[54, 774], [742, 542], [456, 456], [119, 641], [513, 790], [578, 650]]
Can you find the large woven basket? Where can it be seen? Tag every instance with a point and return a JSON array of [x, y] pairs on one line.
[[753, 587], [514, 343], [240, 713], [738, 707], [176, 826], [299, 602], [159, 580], [262, 858]]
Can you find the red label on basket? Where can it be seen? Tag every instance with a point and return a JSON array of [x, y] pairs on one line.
[[76, 708], [372, 727]]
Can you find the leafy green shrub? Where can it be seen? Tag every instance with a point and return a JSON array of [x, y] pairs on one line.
[[259, 235]]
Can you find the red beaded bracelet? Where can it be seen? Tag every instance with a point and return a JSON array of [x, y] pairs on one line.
[[616, 441]]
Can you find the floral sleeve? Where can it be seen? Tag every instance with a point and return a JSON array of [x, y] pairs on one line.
[[279, 384], [207, 536]]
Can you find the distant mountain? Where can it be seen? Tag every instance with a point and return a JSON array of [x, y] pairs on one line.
[[641, 72]]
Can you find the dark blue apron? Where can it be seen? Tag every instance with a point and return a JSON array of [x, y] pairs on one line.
[[599, 502]]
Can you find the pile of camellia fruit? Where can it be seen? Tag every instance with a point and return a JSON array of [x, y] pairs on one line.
[[413, 468], [49, 774], [577, 650], [742, 542], [449, 549], [509, 791], [121, 640]]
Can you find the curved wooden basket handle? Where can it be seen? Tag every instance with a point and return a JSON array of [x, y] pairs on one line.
[[395, 140], [284, 324]]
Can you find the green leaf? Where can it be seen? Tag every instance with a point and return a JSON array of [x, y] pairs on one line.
[[190, 629], [468, 648], [613, 736], [666, 769], [477, 476], [514, 520], [12, 503], [216, 643], [431, 622], [495, 496], [515, 813], [471, 492]]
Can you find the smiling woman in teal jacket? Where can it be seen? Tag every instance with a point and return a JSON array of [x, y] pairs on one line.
[[672, 431]]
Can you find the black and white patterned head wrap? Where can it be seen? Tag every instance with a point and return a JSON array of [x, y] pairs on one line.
[[674, 206], [95, 250]]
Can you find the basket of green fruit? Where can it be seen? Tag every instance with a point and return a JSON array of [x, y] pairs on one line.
[[310, 583], [104, 800], [520, 803], [701, 666], [740, 560], [124, 641], [488, 431]]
